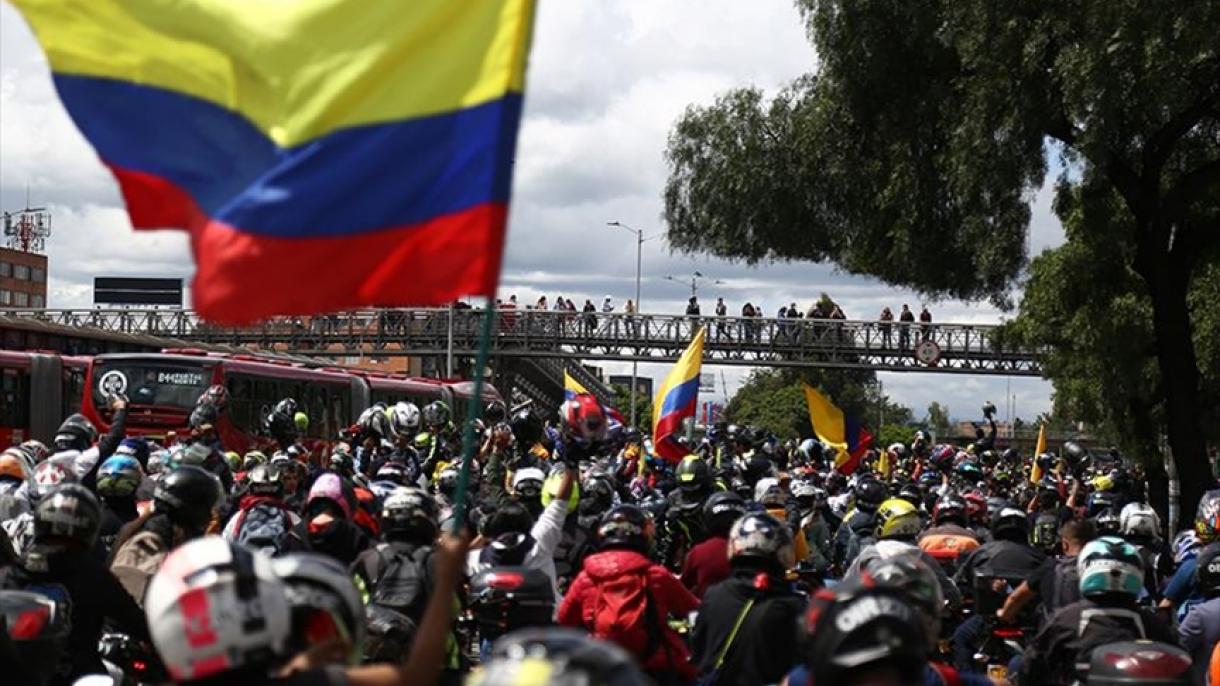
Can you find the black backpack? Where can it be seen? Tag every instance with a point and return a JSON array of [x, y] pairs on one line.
[[1065, 586], [396, 601]]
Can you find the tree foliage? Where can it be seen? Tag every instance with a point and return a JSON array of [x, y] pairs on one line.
[[937, 420], [643, 406], [913, 150], [773, 399]]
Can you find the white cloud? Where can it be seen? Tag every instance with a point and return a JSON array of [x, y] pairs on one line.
[[606, 82]]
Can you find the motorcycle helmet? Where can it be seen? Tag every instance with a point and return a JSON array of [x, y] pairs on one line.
[[447, 482], [1207, 571], [527, 483], [969, 471], [38, 626], [692, 473], [1185, 545], [436, 414], [721, 510], [583, 420], [216, 396], [323, 602], [410, 513], [1100, 501], [264, 480], [1010, 524], [769, 494], [626, 526], [860, 628], [912, 575], [36, 450], [119, 477], [759, 537], [405, 419], [950, 509], [556, 656], [527, 427], [550, 489], [13, 465], [929, 478], [253, 459], [897, 518], [1076, 456], [911, 493], [870, 493], [75, 433], [203, 417], [1139, 522], [374, 422], [1139, 663], [496, 412], [188, 494], [216, 607], [1045, 534], [1108, 523], [1207, 517], [329, 489], [1110, 565], [943, 456], [68, 512], [52, 472]]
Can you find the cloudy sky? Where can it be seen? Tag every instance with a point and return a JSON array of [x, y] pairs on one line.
[[606, 82]]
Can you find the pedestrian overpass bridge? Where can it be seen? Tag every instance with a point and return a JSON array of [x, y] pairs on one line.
[[523, 335]]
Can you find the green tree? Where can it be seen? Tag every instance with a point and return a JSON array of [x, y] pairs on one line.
[[938, 420], [643, 407], [927, 126], [774, 400]]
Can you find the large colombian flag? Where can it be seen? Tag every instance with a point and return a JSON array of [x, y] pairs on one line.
[[323, 154], [849, 440], [676, 400]]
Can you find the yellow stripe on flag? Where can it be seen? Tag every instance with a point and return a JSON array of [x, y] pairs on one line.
[[300, 69], [827, 421], [1035, 472]]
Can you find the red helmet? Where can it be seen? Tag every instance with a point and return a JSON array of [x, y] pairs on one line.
[[584, 421], [976, 506]]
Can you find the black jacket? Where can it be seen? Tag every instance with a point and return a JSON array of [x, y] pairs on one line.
[[1001, 558], [1060, 652], [96, 596], [759, 655]]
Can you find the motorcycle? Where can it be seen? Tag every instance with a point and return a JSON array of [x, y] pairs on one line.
[[130, 662]]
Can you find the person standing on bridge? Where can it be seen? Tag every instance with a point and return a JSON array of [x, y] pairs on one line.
[[692, 311], [925, 319], [904, 328], [608, 308], [886, 317], [629, 310], [721, 311], [590, 317]]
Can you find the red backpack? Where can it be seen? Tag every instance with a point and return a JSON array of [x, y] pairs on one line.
[[623, 612]]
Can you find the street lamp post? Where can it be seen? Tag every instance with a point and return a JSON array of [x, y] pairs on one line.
[[639, 261], [693, 282]]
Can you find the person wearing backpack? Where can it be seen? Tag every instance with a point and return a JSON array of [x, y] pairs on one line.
[[1201, 627], [328, 527], [708, 562], [262, 518], [624, 597], [1056, 583], [61, 565], [183, 506], [730, 642]]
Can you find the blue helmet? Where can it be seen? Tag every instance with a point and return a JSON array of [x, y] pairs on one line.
[[119, 476]]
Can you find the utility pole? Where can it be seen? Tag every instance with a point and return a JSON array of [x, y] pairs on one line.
[[639, 262]]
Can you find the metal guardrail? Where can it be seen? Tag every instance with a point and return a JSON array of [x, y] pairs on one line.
[[750, 341]]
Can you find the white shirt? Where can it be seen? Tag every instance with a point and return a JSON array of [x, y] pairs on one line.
[[547, 533]]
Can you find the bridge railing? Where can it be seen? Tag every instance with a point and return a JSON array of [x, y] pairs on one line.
[[435, 328]]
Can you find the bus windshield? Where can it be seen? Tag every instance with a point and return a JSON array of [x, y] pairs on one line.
[[170, 383]]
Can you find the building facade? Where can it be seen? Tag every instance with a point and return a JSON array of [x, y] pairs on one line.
[[23, 279]]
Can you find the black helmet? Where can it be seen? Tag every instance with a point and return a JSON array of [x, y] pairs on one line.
[[264, 480], [70, 512], [870, 493], [625, 526], [760, 537], [204, 416], [410, 512], [911, 493], [495, 412], [436, 413], [1207, 570], [1139, 663], [1045, 534], [527, 427], [692, 473], [38, 625], [859, 627], [721, 510], [375, 422], [1076, 456], [557, 657], [188, 494], [1011, 524], [76, 433], [280, 426], [950, 508]]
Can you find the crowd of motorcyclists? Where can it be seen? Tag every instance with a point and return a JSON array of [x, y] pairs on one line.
[[567, 553]]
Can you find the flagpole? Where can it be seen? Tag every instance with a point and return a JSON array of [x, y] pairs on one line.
[[474, 409]]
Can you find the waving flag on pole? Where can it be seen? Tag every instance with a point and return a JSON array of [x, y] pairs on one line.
[[572, 387], [322, 154], [832, 427], [676, 400], [1035, 472]]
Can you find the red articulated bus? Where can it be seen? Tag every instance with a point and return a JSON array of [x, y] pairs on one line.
[[37, 390], [162, 389]]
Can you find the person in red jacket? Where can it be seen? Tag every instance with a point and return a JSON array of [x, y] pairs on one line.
[[624, 597], [708, 562]]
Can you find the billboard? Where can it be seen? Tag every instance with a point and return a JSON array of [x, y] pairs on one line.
[[127, 290]]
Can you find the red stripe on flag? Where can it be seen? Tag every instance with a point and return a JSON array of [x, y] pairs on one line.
[[242, 278]]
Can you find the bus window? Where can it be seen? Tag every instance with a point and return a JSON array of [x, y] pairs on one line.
[[74, 389], [15, 390], [243, 406]]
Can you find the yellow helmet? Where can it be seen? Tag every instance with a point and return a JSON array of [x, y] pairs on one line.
[[550, 488], [897, 518], [1103, 482]]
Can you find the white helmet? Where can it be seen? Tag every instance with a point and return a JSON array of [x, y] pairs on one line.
[[1138, 519], [215, 607], [763, 485], [527, 474], [404, 419]]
